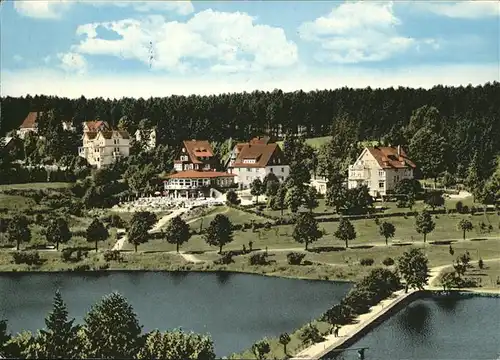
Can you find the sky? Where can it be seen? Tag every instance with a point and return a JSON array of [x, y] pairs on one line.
[[142, 49]]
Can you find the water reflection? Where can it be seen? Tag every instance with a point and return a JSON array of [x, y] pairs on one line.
[[223, 277], [414, 321], [447, 303]]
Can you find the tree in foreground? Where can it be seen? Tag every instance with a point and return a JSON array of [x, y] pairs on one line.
[[261, 349], [414, 269], [306, 230], [58, 232], [111, 329], [465, 225], [387, 230], [60, 339], [284, 340], [4, 338], [345, 231], [177, 345], [219, 232], [96, 232], [177, 232], [311, 335], [424, 223], [18, 230]]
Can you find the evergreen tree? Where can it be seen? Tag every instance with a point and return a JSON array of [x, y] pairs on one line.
[[96, 232], [58, 232], [345, 231], [60, 339]]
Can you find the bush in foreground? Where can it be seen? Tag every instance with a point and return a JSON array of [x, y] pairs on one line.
[[295, 258]]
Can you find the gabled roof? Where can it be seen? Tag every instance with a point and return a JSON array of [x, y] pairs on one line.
[[387, 157], [198, 148], [95, 125], [91, 134], [190, 174], [109, 134], [30, 120], [261, 153]]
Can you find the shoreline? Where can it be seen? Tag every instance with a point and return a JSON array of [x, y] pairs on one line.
[[186, 268]]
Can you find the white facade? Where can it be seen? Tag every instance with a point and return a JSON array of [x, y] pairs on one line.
[[22, 132], [148, 137], [319, 183], [368, 171], [105, 148], [245, 175]]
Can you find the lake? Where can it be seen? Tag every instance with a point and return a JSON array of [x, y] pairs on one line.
[[436, 328], [236, 309]]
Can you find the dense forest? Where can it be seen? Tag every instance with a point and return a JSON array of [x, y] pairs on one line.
[[467, 118]]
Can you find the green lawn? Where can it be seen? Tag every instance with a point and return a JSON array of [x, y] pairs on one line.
[[36, 186]]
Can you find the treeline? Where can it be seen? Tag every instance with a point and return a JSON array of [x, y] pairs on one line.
[[242, 115], [111, 330]]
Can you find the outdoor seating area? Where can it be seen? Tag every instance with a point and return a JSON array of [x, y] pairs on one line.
[[163, 203]]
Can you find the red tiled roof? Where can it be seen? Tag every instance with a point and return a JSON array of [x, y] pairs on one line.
[[30, 120], [199, 174], [196, 148], [95, 125], [387, 157], [261, 153]]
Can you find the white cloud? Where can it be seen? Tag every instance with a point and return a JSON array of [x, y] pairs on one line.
[[226, 41], [357, 31], [179, 7], [465, 9], [52, 9], [72, 63], [50, 82]]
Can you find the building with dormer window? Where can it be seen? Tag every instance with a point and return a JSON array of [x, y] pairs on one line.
[[380, 168], [256, 159], [102, 148]]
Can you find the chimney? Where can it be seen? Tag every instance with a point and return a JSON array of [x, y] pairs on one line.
[[399, 151]]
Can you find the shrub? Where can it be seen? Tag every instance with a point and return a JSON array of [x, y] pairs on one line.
[[295, 258], [26, 257], [113, 255], [225, 259], [465, 209], [66, 254], [258, 259], [459, 207], [367, 262], [82, 267], [388, 261]]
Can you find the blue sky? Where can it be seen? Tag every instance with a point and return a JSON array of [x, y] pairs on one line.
[[140, 48]]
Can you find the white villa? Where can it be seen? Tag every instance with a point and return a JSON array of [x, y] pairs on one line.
[[380, 168], [256, 159], [103, 147]]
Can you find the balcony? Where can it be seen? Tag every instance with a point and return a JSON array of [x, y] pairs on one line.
[[358, 172], [183, 187]]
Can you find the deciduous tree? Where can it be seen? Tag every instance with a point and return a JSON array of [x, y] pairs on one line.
[[219, 232], [345, 231], [257, 188], [387, 230], [306, 230], [58, 232], [465, 225], [177, 232], [112, 329], [424, 223], [96, 232], [18, 230], [414, 269]]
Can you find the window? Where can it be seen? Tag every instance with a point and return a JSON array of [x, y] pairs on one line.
[[271, 169], [380, 184], [381, 173], [282, 170]]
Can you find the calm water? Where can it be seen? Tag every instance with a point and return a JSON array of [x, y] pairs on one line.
[[236, 309], [437, 329]]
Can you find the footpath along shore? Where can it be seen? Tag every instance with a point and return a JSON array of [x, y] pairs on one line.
[[348, 334]]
